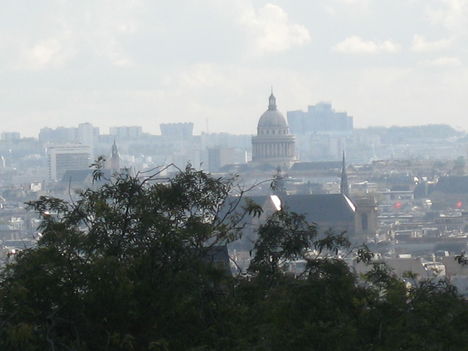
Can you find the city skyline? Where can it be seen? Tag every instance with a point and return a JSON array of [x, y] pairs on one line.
[[384, 62], [233, 175]]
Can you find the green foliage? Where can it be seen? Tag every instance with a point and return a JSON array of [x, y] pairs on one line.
[[285, 236], [462, 259], [364, 255], [124, 268]]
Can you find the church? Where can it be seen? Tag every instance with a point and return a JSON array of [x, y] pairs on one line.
[[273, 145]]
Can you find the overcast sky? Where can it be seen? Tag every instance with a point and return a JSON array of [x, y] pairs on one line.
[[144, 62]]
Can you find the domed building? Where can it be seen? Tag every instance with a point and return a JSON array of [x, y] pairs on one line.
[[273, 145]]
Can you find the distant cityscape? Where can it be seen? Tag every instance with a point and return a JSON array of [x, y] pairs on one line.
[[321, 134], [403, 190]]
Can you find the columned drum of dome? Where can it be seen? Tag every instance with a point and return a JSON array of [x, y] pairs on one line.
[[273, 144]]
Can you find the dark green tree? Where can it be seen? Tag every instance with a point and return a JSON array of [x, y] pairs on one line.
[[124, 267]]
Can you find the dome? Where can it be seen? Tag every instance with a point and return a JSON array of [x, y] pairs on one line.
[[273, 145], [272, 118]]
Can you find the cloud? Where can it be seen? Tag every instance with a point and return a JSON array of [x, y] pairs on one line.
[[55, 34], [420, 44], [445, 61], [273, 31], [137, 33], [45, 53], [453, 14], [356, 7], [49, 53], [357, 45], [355, 2], [219, 58]]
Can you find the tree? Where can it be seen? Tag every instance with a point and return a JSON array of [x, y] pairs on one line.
[[124, 267], [112, 268]]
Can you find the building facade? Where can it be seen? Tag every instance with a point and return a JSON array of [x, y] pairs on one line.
[[126, 132], [66, 158], [320, 118], [273, 144]]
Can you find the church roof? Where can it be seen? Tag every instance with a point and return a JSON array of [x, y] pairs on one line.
[[218, 256], [321, 208], [235, 206]]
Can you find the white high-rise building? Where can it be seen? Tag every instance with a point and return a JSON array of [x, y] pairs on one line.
[[129, 132], [64, 158], [10, 136], [86, 135]]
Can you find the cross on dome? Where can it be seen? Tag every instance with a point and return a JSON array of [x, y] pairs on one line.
[[272, 102]]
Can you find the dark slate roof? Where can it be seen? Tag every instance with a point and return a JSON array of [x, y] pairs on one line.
[[321, 208], [230, 205], [452, 185], [313, 166], [218, 254]]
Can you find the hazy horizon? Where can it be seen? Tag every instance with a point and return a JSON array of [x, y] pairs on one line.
[[141, 62]]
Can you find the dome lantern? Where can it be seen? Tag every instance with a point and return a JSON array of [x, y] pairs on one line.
[[272, 103]]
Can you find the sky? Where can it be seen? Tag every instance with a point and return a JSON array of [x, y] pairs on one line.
[[213, 62]]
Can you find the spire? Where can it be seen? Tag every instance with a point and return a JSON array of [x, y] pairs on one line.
[[115, 158], [115, 151], [272, 102], [344, 186]]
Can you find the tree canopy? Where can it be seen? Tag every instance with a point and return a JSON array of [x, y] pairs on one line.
[[124, 267]]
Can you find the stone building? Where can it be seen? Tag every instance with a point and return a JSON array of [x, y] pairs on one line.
[[273, 144]]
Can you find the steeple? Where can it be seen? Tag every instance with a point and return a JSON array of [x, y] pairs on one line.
[[344, 186], [115, 151], [272, 102], [115, 158]]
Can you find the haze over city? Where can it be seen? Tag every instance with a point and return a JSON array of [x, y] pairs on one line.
[[212, 62], [233, 175]]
